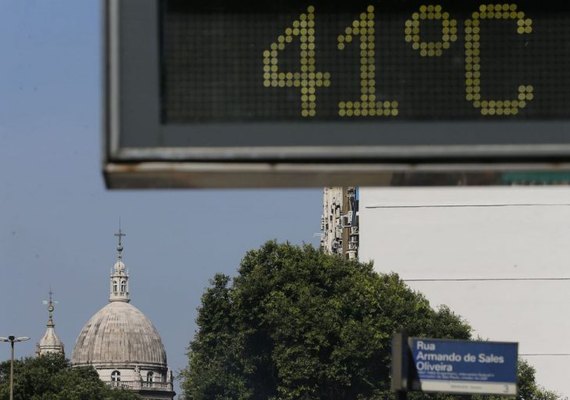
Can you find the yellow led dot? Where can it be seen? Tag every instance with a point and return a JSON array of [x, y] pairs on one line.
[[370, 9], [342, 112], [507, 111], [482, 7], [423, 8], [529, 96], [476, 96], [484, 111], [357, 112], [520, 30], [514, 111], [477, 104], [305, 113], [281, 83], [528, 29], [394, 112], [468, 97]]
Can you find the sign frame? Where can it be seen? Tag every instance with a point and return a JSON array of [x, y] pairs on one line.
[[142, 152], [458, 368]]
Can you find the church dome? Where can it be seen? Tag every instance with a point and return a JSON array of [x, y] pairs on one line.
[[119, 334], [122, 344]]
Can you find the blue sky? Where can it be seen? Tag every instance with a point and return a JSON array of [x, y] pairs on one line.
[[57, 220]]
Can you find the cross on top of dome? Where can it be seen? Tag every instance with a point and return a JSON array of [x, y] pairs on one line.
[[120, 236]]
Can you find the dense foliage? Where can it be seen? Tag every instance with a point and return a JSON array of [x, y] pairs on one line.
[[50, 377], [300, 324]]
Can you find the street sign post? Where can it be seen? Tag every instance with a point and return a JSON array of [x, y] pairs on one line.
[[458, 366], [330, 92]]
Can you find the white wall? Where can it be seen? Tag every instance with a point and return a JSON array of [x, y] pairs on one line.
[[498, 241]]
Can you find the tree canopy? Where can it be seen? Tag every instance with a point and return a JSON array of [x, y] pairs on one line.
[[297, 323], [50, 377]]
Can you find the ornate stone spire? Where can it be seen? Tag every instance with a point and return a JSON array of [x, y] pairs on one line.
[[119, 275], [50, 343]]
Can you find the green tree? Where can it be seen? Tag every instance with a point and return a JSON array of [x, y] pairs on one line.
[[50, 377], [297, 323]]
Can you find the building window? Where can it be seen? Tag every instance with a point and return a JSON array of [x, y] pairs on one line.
[[149, 377], [115, 376], [123, 286], [114, 286]]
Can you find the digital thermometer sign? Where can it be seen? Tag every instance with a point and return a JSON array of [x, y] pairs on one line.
[[255, 93]]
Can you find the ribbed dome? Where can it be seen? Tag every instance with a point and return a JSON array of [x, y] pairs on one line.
[[119, 334]]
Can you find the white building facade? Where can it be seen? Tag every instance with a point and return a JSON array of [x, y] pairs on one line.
[[496, 256]]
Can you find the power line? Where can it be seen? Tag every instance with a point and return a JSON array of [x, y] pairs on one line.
[[483, 279], [472, 205]]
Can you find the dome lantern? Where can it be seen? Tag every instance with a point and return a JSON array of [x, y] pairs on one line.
[[50, 342], [119, 289]]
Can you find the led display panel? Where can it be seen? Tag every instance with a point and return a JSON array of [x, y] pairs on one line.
[[390, 60]]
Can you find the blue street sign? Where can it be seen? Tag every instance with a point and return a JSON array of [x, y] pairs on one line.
[[461, 366]]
